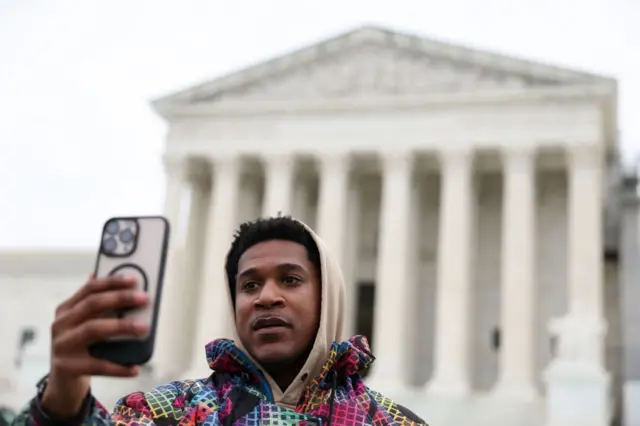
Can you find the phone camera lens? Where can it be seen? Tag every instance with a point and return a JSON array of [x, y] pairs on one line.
[[112, 227], [109, 245], [126, 236]]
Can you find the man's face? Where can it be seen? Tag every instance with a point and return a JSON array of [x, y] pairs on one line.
[[277, 301]]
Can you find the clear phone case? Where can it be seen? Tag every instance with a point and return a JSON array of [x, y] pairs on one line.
[[137, 247]]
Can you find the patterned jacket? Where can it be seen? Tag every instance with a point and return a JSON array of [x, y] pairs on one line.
[[237, 394]]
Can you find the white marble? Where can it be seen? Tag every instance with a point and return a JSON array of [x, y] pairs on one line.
[[333, 209], [168, 355], [578, 384], [212, 319], [451, 373], [391, 323], [517, 359], [279, 176]]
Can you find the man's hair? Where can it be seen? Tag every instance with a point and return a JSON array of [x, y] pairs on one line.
[[267, 229]]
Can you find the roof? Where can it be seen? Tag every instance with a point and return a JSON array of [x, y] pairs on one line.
[[376, 59]]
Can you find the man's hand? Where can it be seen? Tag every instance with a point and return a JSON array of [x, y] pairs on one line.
[[79, 322]]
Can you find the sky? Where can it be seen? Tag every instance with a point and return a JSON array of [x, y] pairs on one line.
[[80, 143]]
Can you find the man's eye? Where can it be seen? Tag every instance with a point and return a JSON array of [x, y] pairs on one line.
[[250, 285], [290, 279]]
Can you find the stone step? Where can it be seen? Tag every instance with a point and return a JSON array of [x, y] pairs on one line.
[[479, 410]]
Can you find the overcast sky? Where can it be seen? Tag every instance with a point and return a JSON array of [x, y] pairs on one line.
[[79, 142]]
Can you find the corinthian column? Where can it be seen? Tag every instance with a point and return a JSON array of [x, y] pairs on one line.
[[333, 205], [453, 301], [168, 356], [585, 315], [214, 315], [586, 205], [279, 174], [518, 307], [578, 385], [393, 276]]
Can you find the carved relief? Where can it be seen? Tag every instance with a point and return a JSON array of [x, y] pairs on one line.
[[373, 70]]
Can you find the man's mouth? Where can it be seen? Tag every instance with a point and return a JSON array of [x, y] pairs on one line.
[[269, 322]]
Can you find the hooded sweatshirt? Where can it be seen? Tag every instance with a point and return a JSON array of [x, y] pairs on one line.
[[332, 308], [327, 390]]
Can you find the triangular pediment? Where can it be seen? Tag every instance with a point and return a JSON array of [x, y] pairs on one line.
[[376, 62]]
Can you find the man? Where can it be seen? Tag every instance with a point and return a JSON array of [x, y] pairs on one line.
[[287, 365]]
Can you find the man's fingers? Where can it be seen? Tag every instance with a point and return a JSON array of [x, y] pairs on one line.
[[97, 304], [97, 286], [81, 321], [96, 330], [106, 368], [88, 366]]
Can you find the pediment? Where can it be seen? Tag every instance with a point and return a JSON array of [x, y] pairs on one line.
[[373, 70], [374, 62]]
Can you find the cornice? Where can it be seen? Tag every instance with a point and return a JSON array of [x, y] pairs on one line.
[[599, 93]]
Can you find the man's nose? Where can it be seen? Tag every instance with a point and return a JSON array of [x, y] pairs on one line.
[[270, 295]]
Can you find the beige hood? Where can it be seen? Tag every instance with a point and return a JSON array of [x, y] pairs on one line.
[[330, 329]]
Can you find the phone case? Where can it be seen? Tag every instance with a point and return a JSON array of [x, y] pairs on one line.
[[134, 246]]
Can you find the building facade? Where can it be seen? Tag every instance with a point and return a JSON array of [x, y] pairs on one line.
[[629, 294], [464, 193]]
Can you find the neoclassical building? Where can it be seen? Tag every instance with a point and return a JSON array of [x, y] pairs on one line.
[[465, 194]]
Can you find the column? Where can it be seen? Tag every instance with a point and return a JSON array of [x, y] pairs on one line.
[[168, 356], [586, 205], [581, 330], [352, 258], [518, 307], [193, 262], [578, 386], [176, 171], [214, 312], [333, 207], [279, 175], [392, 276], [451, 375]]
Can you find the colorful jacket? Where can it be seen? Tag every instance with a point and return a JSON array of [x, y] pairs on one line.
[[237, 394]]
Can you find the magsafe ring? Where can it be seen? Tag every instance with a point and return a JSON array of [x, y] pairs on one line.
[[132, 271]]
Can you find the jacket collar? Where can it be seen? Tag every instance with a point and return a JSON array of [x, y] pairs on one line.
[[345, 359]]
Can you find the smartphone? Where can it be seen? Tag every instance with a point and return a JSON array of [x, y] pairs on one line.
[[135, 247]]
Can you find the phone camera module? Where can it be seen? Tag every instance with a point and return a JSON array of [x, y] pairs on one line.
[[112, 227], [126, 236], [109, 245]]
